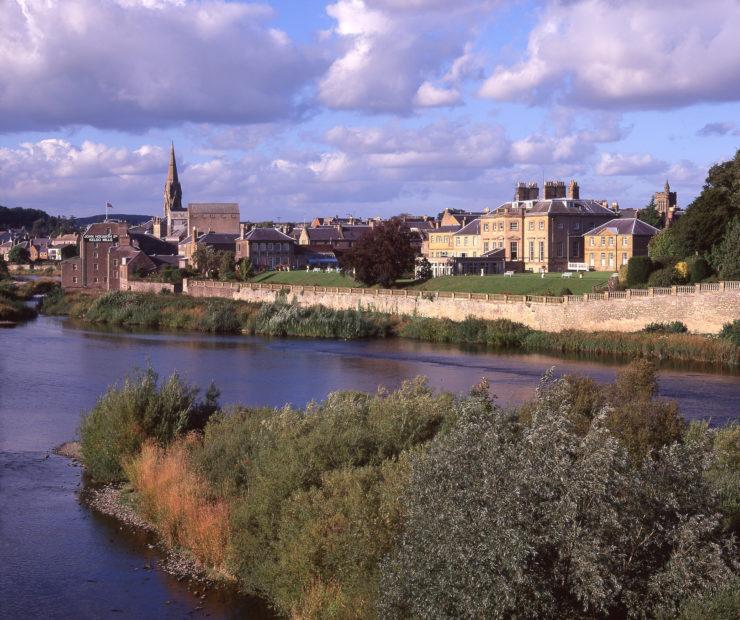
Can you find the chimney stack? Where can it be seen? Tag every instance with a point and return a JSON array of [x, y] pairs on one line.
[[554, 189], [574, 192]]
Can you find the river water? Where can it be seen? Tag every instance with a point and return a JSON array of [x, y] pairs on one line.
[[59, 559]]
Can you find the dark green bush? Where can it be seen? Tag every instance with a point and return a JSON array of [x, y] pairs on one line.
[[699, 269], [639, 269], [139, 409], [662, 277], [674, 327], [497, 333], [731, 332]]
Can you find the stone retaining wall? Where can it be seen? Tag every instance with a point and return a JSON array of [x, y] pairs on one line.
[[703, 308], [141, 286]]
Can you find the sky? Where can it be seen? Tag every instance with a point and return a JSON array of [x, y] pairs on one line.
[[302, 108]]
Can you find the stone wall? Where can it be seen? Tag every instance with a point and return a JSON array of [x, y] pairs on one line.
[[703, 310], [142, 286]]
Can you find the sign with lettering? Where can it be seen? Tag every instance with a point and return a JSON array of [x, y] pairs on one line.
[[101, 238]]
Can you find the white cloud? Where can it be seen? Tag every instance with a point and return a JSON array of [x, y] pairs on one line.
[[395, 51], [134, 64], [630, 54], [615, 164]]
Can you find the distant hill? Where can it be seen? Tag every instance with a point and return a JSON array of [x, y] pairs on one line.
[[126, 217]]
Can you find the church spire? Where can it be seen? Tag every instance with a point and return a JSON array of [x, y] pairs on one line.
[[172, 189]]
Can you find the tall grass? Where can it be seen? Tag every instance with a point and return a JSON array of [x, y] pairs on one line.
[[177, 499], [12, 308]]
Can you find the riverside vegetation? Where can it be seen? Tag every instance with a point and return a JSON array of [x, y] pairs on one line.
[[589, 501], [282, 318]]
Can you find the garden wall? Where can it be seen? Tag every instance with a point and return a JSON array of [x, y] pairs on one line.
[[703, 308]]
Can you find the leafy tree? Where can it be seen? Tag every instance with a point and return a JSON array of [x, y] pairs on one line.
[[540, 521], [726, 255], [639, 269], [3, 269], [226, 263], [650, 215], [245, 270], [382, 255], [424, 269], [39, 227], [666, 246], [206, 260], [708, 217], [18, 255], [699, 269]]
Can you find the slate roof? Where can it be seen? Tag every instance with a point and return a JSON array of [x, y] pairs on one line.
[[149, 244], [267, 234], [470, 229], [626, 226], [212, 238], [558, 206]]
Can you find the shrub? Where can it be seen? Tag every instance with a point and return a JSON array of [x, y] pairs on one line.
[[542, 522], [699, 269], [139, 409], [639, 269], [681, 270], [674, 327], [731, 332], [622, 275], [662, 277]]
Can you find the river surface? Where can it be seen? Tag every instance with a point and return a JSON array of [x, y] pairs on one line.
[[59, 559]]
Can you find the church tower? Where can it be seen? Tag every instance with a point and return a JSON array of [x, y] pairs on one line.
[[174, 214]]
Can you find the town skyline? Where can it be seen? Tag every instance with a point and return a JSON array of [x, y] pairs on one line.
[[301, 118]]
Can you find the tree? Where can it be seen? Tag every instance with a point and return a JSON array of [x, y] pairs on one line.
[[666, 246], [708, 217], [382, 255], [206, 260], [726, 255], [424, 269], [3, 269], [245, 270], [226, 263], [18, 254], [540, 521], [650, 215]]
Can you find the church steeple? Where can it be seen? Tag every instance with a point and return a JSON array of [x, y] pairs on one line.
[[172, 189]]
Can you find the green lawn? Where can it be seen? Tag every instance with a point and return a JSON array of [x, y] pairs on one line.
[[519, 284]]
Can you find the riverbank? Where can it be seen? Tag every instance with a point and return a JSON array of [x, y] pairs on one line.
[[218, 315], [320, 508]]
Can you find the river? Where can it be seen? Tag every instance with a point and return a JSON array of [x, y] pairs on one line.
[[59, 559]]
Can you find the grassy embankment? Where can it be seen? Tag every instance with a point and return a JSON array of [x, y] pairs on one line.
[[216, 315], [518, 284], [317, 509]]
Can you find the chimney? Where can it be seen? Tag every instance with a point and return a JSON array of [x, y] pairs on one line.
[[533, 191], [615, 206], [554, 189], [242, 230], [521, 192], [573, 191]]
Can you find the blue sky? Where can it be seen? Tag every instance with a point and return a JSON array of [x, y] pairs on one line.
[[372, 107]]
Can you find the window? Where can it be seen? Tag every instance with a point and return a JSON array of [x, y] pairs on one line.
[[625, 241], [95, 280], [560, 226], [576, 226], [542, 225], [269, 247], [603, 241], [513, 225], [466, 241], [501, 244], [74, 267], [475, 240], [592, 241], [95, 255], [500, 225], [603, 259], [513, 250], [624, 258], [457, 240], [531, 250], [485, 227], [611, 240], [485, 246], [542, 250], [107, 231], [591, 259], [560, 249], [576, 247], [531, 226], [95, 266], [115, 262], [611, 259]]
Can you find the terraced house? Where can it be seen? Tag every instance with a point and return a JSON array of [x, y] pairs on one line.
[[612, 244]]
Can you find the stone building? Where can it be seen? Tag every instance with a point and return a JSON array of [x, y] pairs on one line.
[[542, 234], [612, 244], [267, 248], [175, 216], [666, 204], [215, 217]]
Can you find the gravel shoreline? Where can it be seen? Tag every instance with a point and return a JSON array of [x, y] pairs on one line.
[[110, 500]]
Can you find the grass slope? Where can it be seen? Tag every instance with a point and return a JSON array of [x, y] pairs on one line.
[[519, 284]]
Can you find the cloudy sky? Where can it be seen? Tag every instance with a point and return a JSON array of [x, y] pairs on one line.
[[296, 108]]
